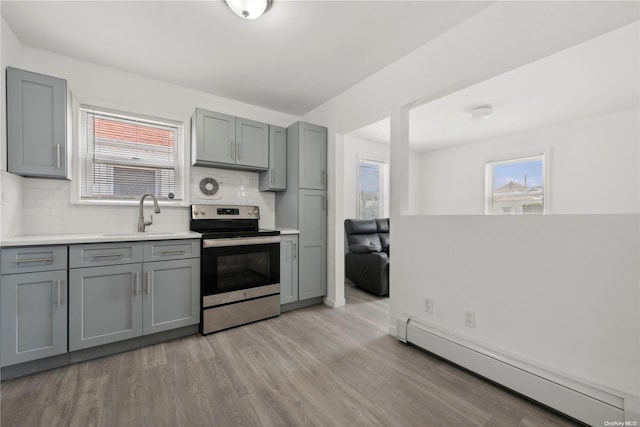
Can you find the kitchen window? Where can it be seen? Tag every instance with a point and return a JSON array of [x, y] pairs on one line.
[[516, 186], [123, 156]]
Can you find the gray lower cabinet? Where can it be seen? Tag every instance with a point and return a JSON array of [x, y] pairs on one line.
[[105, 305], [312, 217], [288, 268], [33, 316], [36, 125], [33, 303], [275, 178], [158, 290], [172, 295]]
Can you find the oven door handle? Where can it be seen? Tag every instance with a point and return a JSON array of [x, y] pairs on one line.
[[240, 241]]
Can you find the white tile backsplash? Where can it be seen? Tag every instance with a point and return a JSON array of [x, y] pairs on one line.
[[45, 206]]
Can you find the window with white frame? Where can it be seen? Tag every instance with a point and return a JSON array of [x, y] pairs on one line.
[[516, 186], [123, 156], [371, 188]]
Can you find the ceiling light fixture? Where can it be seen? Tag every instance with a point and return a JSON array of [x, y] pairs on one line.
[[480, 112], [249, 9]]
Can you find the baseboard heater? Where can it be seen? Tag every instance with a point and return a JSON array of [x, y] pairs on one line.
[[583, 402]]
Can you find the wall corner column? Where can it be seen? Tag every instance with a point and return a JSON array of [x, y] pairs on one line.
[[399, 164]]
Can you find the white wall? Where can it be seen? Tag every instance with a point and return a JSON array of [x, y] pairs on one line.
[[558, 290], [468, 53], [502, 37], [47, 204], [592, 167], [355, 149]]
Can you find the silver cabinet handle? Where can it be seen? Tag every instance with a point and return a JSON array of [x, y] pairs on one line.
[[149, 279], [324, 177], [173, 251], [324, 203], [58, 302], [106, 255], [137, 282], [231, 150], [58, 163], [295, 250], [239, 150], [21, 261]]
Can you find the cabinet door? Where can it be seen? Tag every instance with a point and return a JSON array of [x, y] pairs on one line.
[[277, 158], [33, 315], [105, 305], [252, 143], [312, 213], [288, 269], [313, 156], [36, 124], [171, 295], [215, 135]]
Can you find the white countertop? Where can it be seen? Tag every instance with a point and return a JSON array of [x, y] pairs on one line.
[[67, 239], [287, 230]]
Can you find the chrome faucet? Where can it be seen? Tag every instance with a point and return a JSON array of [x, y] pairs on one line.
[[141, 222]]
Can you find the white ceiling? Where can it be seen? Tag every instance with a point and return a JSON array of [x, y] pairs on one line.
[[294, 58], [596, 77]]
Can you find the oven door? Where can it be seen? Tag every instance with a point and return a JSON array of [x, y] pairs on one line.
[[239, 263]]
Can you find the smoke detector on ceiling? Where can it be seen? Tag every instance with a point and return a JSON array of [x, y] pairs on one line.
[[481, 112]]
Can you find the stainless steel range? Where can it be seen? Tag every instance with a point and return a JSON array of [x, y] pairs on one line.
[[240, 280]]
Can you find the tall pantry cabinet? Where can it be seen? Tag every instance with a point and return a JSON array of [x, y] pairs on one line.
[[303, 205]]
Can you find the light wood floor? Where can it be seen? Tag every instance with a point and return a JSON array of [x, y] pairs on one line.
[[316, 366]]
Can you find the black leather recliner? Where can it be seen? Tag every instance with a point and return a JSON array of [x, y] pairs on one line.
[[367, 262]]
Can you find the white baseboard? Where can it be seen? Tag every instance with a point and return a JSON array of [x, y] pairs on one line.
[[334, 303], [632, 410], [585, 402]]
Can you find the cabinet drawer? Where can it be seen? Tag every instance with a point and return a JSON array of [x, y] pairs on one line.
[[94, 255], [171, 249], [33, 259]]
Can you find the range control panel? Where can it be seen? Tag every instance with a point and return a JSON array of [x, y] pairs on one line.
[[224, 212]]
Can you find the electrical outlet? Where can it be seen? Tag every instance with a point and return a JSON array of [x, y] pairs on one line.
[[469, 318], [428, 305]]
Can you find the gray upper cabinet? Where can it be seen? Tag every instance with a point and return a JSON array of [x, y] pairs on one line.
[[312, 141], [275, 178], [36, 125], [215, 138], [252, 143], [220, 140]]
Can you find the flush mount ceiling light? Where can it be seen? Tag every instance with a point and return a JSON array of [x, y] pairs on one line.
[[480, 112], [249, 9]]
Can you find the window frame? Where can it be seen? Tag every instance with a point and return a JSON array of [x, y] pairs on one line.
[[181, 177], [384, 185], [489, 180]]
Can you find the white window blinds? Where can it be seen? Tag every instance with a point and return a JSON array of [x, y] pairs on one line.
[[124, 157]]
